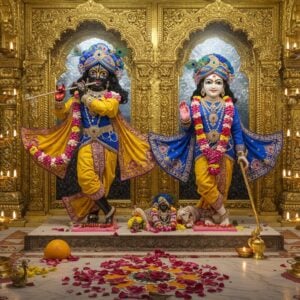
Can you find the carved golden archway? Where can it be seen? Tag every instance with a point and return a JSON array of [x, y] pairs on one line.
[[158, 34], [44, 34]]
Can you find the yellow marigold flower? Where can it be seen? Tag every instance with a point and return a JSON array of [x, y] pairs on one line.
[[173, 208], [33, 150], [198, 126], [180, 227], [129, 223], [75, 129], [137, 219], [224, 138]]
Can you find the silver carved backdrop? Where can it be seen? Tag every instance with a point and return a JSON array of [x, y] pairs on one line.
[[239, 87], [69, 185]]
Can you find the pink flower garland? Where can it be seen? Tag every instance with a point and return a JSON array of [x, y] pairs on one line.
[[213, 155], [157, 224], [73, 141]]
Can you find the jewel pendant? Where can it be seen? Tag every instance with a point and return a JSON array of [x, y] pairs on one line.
[[213, 136], [213, 119]]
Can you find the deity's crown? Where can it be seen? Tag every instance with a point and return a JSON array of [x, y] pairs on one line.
[[163, 199], [102, 54], [209, 64]]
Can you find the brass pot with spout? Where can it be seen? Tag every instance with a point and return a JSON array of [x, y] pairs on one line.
[[258, 247]]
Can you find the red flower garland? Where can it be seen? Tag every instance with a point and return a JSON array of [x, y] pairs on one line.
[[213, 155]]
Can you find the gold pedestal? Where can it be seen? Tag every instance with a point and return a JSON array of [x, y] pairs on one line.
[[5, 267], [17, 223]]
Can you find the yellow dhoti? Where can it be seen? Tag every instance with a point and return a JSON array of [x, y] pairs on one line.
[[213, 189], [95, 174], [96, 167], [96, 164]]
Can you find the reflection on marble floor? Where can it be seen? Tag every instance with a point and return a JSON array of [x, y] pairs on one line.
[[248, 278]]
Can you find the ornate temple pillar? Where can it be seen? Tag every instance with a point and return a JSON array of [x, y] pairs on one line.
[[142, 114], [167, 120], [36, 115], [270, 106], [291, 123], [11, 165], [290, 205]]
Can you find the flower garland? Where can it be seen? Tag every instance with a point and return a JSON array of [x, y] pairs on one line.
[[64, 158], [213, 155], [135, 223], [157, 223]]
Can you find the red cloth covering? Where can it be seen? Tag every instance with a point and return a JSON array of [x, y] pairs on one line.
[[95, 228]]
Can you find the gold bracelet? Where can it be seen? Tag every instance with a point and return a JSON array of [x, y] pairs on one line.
[[240, 153]]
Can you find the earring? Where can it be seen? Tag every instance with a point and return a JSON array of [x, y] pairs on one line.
[[202, 92], [107, 85], [223, 93]]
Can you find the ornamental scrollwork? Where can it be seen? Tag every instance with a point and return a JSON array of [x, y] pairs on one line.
[[48, 26], [218, 11], [174, 17], [135, 17], [9, 15]]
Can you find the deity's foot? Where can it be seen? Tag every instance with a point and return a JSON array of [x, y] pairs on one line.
[[225, 222], [109, 218], [92, 218], [209, 222], [222, 220]]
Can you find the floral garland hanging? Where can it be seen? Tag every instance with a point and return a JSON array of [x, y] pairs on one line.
[[65, 157], [157, 224], [213, 155]]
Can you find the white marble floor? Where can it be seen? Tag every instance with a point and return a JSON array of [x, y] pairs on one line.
[[248, 278]]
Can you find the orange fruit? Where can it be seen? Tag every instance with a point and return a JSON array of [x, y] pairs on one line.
[[57, 249]]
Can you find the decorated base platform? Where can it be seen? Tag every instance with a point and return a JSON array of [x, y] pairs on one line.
[[121, 239]]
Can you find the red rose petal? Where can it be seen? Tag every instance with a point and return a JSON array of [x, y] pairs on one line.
[[30, 284], [115, 290]]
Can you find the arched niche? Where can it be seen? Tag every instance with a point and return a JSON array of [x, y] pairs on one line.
[[235, 46], [64, 58]]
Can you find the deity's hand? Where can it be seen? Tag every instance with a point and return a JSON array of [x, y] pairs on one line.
[[81, 88], [113, 95], [60, 93], [242, 159], [184, 111], [116, 96]]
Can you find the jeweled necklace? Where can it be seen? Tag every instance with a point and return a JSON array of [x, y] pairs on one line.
[[213, 155], [213, 108], [213, 121], [93, 119]]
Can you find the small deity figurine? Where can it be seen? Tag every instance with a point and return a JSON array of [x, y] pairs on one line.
[[213, 139], [162, 216]]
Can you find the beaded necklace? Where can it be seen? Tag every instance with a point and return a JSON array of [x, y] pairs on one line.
[[212, 119], [213, 155], [93, 119]]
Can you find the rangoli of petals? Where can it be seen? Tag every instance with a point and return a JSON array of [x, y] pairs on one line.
[[158, 273]]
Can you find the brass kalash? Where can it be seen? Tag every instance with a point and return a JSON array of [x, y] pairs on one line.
[[17, 274], [5, 267], [4, 221], [295, 266], [256, 243]]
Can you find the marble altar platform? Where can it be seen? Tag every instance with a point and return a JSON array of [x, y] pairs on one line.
[[248, 278], [123, 240]]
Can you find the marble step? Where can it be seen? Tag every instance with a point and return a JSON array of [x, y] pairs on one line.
[[123, 240]]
